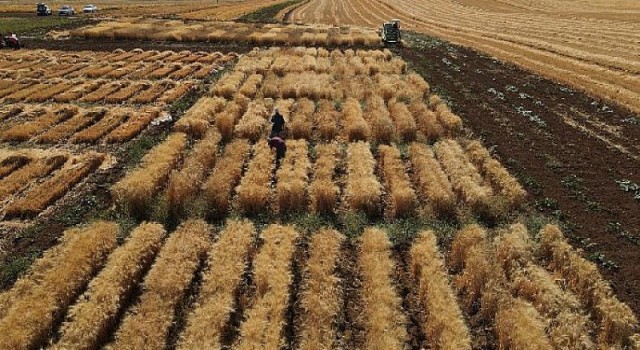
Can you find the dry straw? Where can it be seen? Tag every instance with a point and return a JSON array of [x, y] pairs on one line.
[[323, 190], [228, 85], [36, 169], [54, 283], [326, 119], [443, 323], [224, 177], [405, 124], [183, 185], [197, 120], [12, 163], [502, 182], [465, 178], [451, 122], [147, 324], [135, 192], [430, 181], [65, 129], [426, 121], [254, 188], [402, 200], [384, 321], [380, 123], [254, 121], [137, 121], [321, 298], [265, 319], [227, 264], [301, 121], [45, 193], [108, 122], [89, 320], [356, 127], [293, 178], [25, 131], [616, 320], [226, 120], [363, 191], [570, 328]]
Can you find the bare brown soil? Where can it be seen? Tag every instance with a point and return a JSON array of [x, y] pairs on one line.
[[568, 150]]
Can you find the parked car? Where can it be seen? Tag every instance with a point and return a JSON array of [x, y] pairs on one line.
[[90, 8], [43, 9], [66, 10]]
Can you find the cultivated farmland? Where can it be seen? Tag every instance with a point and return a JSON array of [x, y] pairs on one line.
[[594, 47], [144, 208]]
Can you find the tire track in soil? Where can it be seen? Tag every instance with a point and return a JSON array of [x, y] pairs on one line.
[[547, 154]]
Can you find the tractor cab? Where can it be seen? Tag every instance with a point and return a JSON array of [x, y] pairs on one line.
[[391, 32]]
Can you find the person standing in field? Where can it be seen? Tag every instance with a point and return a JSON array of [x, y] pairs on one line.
[[277, 143], [277, 121]]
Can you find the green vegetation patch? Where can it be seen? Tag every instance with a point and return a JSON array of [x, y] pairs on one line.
[[38, 25], [268, 14]]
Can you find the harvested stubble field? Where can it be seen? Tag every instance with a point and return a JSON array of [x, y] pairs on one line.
[[220, 10], [226, 32], [592, 45]]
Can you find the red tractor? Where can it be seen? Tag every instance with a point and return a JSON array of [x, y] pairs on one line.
[[10, 41]]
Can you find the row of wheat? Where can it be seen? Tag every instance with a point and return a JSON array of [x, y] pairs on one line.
[[507, 285], [54, 124], [227, 31], [444, 184]]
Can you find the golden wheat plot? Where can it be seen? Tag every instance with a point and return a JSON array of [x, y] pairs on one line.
[[363, 190], [44, 194], [31, 316], [321, 296], [37, 168], [430, 181], [197, 120], [293, 177], [326, 119], [224, 177], [443, 322], [12, 163], [503, 183], [109, 121], [252, 194], [571, 327], [617, 322], [451, 122], [254, 121], [301, 120], [64, 130], [384, 320], [464, 177], [227, 264], [147, 324], [426, 121], [228, 85], [265, 319], [183, 185], [226, 120], [137, 189], [89, 320], [401, 196], [356, 127], [405, 124], [23, 132], [381, 125], [517, 324], [323, 191], [133, 125]]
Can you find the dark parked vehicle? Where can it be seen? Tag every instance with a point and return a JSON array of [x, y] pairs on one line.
[[66, 10], [43, 9]]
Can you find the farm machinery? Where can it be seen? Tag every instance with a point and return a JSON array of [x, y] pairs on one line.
[[11, 41], [390, 32]]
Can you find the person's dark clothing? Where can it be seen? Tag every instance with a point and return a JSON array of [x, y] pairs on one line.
[[278, 124], [280, 146]]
